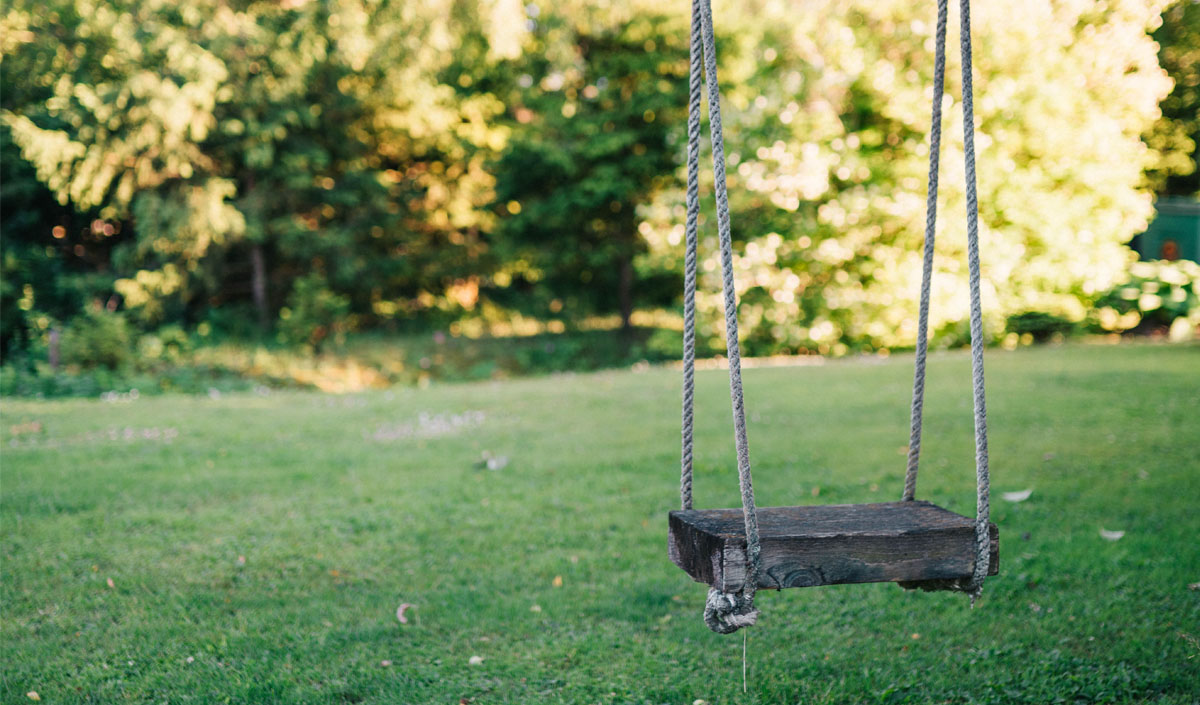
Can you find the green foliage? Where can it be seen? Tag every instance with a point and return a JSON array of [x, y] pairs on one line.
[[22, 381], [259, 544], [311, 130], [1158, 295], [595, 116], [450, 161], [169, 344], [124, 385], [1176, 135], [314, 312], [51, 255], [97, 339], [1039, 326], [828, 123]]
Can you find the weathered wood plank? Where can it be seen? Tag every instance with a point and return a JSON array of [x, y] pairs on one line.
[[829, 544]]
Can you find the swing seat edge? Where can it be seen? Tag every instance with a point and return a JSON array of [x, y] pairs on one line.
[[809, 546]]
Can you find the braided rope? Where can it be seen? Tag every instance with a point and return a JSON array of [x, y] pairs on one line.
[[935, 149], [724, 612], [982, 504], [749, 513], [689, 263], [982, 482]]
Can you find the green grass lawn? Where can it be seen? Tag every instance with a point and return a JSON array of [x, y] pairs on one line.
[[254, 549]]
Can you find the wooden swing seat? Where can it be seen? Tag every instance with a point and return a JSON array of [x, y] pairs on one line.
[[829, 545]]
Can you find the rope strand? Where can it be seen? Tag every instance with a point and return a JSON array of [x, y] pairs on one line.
[[935, 149], [974, 585], [728, 612], [689, 262], [724, 612], [750, 515], [982, 504]]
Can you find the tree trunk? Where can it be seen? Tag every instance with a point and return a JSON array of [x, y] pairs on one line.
[[53, 353], [258, 284], [625, 292]]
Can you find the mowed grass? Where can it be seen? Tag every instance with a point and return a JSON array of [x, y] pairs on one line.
[[259, 546]]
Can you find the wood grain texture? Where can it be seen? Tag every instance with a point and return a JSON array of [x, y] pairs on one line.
[[829, 545]]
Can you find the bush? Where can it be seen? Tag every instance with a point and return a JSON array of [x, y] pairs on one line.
[[1158, 296], [97, 339], [314, 313], [169, 344], [1040, 326]]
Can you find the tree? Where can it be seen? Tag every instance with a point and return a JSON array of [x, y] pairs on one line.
[[1176, 135], [595, 114], [827, 132], [246, 144], [316, 167]]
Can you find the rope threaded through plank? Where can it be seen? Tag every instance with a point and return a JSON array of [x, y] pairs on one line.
[[724, 612], [973, 586]]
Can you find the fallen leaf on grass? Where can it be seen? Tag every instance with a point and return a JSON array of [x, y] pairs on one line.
[[1017, 496], [491, 462], [32, 695], [557, 581], [1111, 535], [404, 607], [1193, 641], [475, 660]]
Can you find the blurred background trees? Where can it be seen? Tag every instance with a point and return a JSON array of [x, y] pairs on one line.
[[296, 170], [1177, 132], [595, 137]]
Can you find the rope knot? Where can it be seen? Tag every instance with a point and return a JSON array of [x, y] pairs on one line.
[[727, 612]]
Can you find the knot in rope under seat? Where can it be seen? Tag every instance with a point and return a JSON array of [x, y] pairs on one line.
[[727, 612]]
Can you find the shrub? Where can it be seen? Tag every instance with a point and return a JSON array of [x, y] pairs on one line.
[[97, 339], [1040, 326], [1158, 295], [314, 312], [169, 344]]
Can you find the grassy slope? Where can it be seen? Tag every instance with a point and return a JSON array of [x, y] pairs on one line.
[[337, 528]]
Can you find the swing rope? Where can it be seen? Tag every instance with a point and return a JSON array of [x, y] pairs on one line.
[[935, 152], [727, 612], [724, 612], [982, 509]]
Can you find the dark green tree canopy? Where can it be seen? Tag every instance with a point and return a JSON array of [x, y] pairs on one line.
[[303, 168]]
